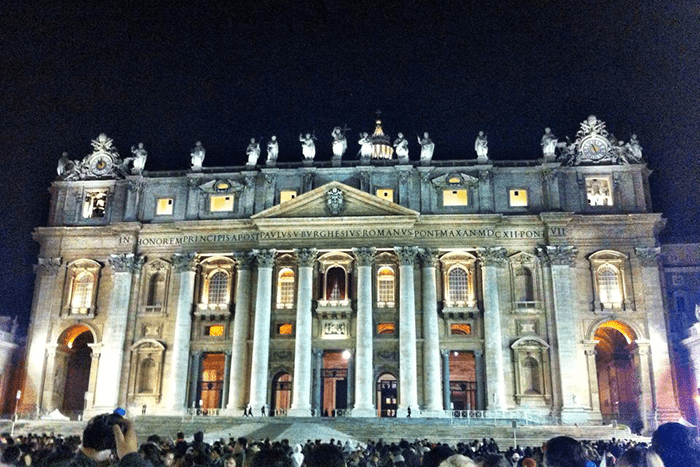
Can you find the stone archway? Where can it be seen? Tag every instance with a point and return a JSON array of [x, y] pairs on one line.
[[619, 367], [387, 395], [71, 370]]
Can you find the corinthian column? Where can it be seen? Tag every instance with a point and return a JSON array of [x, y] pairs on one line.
[[364, 381], [110, 369], [665, 402], [185, 265], [431, 340], [239, 344], [301, 391], [261, 333], [561, 259], [408, 391], [42, 312], [492, 261]]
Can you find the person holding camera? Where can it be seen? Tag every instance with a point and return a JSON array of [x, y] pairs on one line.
[[105, 435]]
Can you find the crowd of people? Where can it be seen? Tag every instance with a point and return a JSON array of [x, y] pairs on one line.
[[110, 440]]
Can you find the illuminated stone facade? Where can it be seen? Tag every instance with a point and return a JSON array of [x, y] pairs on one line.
[[364, 288]]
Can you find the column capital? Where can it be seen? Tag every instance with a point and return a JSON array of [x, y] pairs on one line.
[[478, 353], [184, 262], [265, 258], [444, 353], [364, 255], [47, 266], [407, 254], [562, 255], [428, 257], [648, 256], [317, 352], [126, 262], [244, 259], [305, 256], [590, 352], [493, 256]]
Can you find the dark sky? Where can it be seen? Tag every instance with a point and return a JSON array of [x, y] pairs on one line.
[[223, 72]]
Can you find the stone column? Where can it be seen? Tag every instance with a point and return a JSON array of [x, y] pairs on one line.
[[479, 364], [301, 383], [351, 377], [561, 259], [318, 367], [446, 393], [364, 377], [640, 357], [593, 389], [195, 365], [665, 402], [43, 309], [433, 405], [227, 383], [493, 260], [408, 389], [239, 345], [261, 334], [175, 393], [114, 333]]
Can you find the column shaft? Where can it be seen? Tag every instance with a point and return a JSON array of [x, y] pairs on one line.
[[364, 378], [431, 341], [239, 345], [301, 383], [408, 389], [261, 333], [446, 394], [176, 391], [479, 364]]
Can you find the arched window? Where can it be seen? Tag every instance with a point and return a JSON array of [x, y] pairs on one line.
[[524, 290], [285, 289], [609, 290], [147, 376], [81, 297], [336, 289], [385, 286], [156, 290], [218, 288], [458, 286]]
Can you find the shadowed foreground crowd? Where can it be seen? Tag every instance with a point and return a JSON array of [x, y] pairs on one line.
[[110, 440]]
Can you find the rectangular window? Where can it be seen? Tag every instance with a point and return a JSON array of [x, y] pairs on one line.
[[599, 191], [455, 197], [94, 204], [518, 197], [221, 203], [164, 207], [385, 193], [284, 329], [462, 329], [286, 195], [386, 328], [214, 331]]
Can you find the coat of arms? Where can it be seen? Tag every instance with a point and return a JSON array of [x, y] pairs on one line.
[[335, 203]]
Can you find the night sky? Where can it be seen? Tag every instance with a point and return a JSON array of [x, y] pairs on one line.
[[222, 73]]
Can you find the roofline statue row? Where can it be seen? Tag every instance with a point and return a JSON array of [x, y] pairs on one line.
[[593, 145]]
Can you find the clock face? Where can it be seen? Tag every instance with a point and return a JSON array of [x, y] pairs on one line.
[[594, 148], [100, 164]]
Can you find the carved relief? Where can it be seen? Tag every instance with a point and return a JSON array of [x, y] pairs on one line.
[[493, 256], [184, 262], [364, 255], [562, 255], [306, 256], [265, 258]]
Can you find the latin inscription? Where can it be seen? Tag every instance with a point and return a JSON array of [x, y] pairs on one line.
[[252, 237]]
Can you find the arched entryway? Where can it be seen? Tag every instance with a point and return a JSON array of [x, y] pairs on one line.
[[281, 394], [618, 370], [462, 380], [72, 369], [387, 395], [211, 381]]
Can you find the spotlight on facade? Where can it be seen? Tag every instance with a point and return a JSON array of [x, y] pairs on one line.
[[346, 354]]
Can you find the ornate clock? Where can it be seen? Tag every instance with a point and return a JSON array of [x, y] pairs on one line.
[[594, 148], [100, 164]]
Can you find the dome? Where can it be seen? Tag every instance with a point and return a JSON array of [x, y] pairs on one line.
[[381, 144]]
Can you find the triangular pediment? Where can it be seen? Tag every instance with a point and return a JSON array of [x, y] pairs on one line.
[[335, 200]]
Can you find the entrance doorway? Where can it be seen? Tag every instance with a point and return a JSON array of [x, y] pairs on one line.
[[74, 341], [618, 377], [282, 394], [387, 395], [334, 388], [211, 382], [462, 380]]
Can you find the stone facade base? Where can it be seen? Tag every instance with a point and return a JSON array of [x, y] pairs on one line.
[[363, 412], [301, 412]]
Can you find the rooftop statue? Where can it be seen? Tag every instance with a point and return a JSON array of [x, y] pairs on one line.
[[198, 154], [253, 153], [549, 144], [273, 150], [634, 149], [481, 146], [365, 147], [68, 169], [401, 145], [340, 143], [308, 147], [427, 147], [139, 160]]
